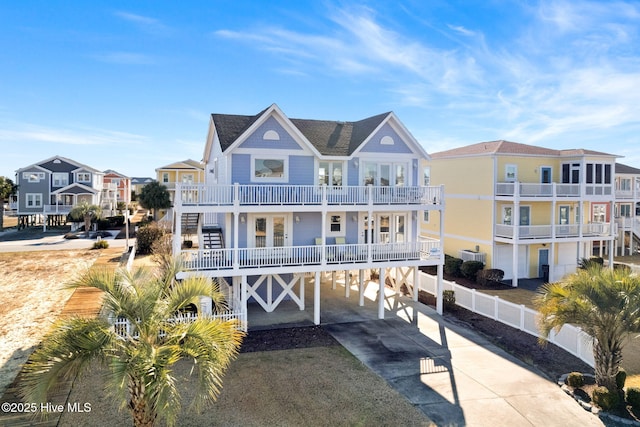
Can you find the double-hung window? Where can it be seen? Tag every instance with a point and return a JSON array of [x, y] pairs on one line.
[[60, 179], [34, 200]]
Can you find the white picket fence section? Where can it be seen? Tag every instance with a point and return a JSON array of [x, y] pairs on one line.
[[124, 329], [570, 338]]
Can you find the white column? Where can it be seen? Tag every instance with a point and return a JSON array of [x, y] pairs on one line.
[[177, 225], [316, 299], [347, 288], [243, 292], [516, 232], [302, 292], [439, 288], [381, 278], [236, 233], [416, 283], [361, 287]]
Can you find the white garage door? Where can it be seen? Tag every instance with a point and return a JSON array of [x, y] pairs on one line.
[[504, 260]]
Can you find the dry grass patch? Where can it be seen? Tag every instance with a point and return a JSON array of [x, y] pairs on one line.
[[32, 295], [302, 387]]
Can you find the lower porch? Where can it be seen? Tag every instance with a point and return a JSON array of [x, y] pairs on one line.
[[332, 301]]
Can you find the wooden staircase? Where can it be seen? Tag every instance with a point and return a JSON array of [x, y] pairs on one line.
[[190, 223], [212, 238]]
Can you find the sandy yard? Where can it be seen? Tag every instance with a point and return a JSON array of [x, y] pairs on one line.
[[32, 294]]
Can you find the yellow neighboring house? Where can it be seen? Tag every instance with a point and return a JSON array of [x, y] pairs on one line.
[[525, 209], [627, 209], [188, 172]]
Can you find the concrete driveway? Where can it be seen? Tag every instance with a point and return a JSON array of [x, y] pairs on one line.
[[453, 375]]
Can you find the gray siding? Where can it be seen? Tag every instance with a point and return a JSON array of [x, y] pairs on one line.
[[24, 187]]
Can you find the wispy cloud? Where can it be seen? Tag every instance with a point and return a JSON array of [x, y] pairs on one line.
[[144, 23], [568, 67], [126, 58], [24, 133]]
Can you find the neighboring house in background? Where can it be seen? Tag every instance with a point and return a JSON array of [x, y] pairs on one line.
[[48, 190], [117, 188], [137, 184], [184, 172], [530, 211], [627, 209], [285, 198]]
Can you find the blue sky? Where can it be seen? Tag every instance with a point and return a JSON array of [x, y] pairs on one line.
[[130, 85]]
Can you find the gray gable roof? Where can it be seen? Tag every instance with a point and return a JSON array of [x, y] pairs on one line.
[[333, 138], [620, 168]]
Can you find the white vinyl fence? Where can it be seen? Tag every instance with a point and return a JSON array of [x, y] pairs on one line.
[[570, 338]]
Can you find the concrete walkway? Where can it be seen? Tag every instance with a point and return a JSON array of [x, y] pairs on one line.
[[453, 375]]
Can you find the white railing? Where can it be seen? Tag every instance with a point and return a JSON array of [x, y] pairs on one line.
[[256, 195], [628, 223], [570, 338], [60, 209], [124, 329], [230, 258], [557, 230], [469, 255], [526, 189]]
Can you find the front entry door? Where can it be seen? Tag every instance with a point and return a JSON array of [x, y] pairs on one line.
[[543, 260]]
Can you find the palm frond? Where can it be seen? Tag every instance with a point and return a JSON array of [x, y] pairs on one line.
[[64, 353]]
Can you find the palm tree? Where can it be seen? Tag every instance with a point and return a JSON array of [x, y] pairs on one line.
[[86, 212], [140, 359], [605, 303]]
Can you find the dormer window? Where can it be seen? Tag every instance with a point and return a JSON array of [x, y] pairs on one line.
[[271, 135], [387, 140], [84, 177]]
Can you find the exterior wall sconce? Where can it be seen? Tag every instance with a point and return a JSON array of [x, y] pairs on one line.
[[242, 219], [297, 219], [354, 218], [355, 162]]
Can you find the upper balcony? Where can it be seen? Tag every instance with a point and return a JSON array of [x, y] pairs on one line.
[[300, 195], [628, 194], [551, 190], [553, 231]]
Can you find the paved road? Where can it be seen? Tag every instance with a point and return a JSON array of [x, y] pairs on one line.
[[49, 242]]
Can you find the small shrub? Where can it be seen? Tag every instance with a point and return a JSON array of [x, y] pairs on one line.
[[452, 266], [469, 269], [586, 263], [604, 398], [100, 244], [449, 300], [146, 237], [491, 275], [633, 397], [575, 380], [621, 377]]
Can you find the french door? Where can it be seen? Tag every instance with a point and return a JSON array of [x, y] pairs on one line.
[[385, 228], [269, 231]]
